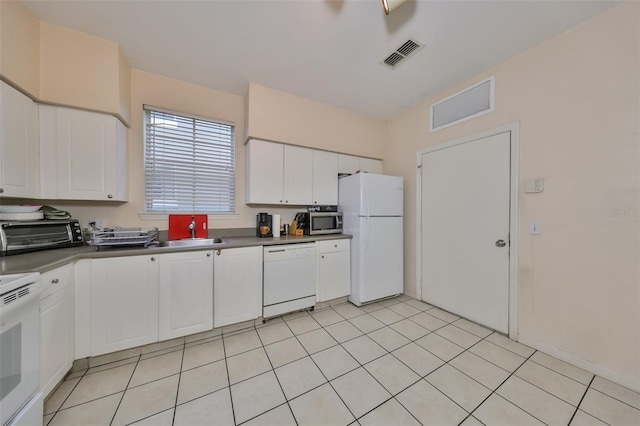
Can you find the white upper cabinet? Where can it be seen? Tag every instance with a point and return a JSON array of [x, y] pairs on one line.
[[186, 293], [265, 172], [369, 165], [350, 164], [19, 154], [278, 174], [298, 179], [87, 154], [325, 178], [237, 285]]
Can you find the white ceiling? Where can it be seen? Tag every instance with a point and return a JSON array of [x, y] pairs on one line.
[[324, 50]]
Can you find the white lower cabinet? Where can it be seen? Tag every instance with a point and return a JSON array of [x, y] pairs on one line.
[[237, 285], [137, 300], [124, 303], [56, 327], [186, 293], [334, 270]]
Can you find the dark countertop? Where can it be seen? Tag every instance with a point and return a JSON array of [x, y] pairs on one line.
[[43, 261]]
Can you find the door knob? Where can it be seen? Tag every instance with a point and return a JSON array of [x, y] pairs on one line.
[[500, 243]]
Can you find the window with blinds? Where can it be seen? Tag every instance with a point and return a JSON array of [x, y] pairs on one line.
[[188, 164]]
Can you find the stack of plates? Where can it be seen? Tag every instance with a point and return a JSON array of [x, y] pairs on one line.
[[52, 213], [21, 212]]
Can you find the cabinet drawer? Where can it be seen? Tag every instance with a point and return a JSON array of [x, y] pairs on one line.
[[55, 280], [333, 245]]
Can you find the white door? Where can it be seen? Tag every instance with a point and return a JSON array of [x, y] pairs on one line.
[[185, 293], [381, 195], [325, 177], [86, 144], [124, 303], [237, 285], [376, 259], [298, 185], [19, 155], [465, 229]]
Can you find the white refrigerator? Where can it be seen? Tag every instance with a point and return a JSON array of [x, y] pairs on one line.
[[372, 209]]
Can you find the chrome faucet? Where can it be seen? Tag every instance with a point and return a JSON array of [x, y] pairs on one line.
[[192, 227]]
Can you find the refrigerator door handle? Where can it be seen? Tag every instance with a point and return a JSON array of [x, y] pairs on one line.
[[368, 233], [365, 201]]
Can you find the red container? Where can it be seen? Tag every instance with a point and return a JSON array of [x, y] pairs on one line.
[[179, 226]]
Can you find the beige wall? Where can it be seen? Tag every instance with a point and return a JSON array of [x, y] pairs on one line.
[[283, 117], [124, 86], [20, 46], [78, 69], [576, 98]]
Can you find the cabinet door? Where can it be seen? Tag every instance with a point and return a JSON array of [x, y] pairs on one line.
[[334, 270], [19, 152], [124, 303], [348, 164], [325, 178], [87, 155], [56, 338], [369, 165], [186, 293], [237, 285], [298, 164], [264, 172]]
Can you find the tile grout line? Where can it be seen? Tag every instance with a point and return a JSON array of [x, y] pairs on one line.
[[175, 406], [321, 372], [226, 365], [55, 413], [495, 392], [613, 397], [582, 399], [277, 378], [125, 390]]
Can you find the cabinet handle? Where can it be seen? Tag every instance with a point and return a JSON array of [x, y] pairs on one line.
[[109, 196], [153, 259], [218, 252], [208, 254], [335, 245], [315, 202], [1, 190], [286, 201], [322, 257], [280, 201], [55, 281]]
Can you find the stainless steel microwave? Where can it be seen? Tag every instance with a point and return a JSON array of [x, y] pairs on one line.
[[318, 223], [23, 237]]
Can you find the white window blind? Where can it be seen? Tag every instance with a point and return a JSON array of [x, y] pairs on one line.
[[188, 164]]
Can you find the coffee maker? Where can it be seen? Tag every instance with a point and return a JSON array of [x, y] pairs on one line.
[[264, 222]]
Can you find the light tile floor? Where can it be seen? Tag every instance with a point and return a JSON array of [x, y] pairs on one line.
[[397, 362]]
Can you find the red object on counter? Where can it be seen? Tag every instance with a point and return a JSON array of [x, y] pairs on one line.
[[179, 226]]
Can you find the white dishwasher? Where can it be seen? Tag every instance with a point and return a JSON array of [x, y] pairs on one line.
[[289, 280]]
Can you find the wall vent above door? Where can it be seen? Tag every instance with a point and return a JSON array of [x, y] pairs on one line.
[[402, 53], [470, 103]]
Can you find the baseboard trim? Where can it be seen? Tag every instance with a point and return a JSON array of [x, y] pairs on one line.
[[626, 381]]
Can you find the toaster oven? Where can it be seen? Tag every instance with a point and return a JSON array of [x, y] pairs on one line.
[[23, 237]]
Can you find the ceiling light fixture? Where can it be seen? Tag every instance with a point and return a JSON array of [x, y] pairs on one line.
[[391, 5]]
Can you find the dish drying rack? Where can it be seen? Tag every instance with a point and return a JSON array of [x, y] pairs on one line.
[[122, 237]]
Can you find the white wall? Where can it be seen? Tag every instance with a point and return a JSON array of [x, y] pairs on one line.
[[576, 98]]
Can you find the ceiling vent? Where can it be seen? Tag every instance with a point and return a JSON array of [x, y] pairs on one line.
[[465, 105], [402, 53]]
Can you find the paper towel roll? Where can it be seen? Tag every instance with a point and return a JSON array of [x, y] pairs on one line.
[[275, 225]]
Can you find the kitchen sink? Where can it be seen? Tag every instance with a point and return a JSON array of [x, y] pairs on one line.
[[193, 242]]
